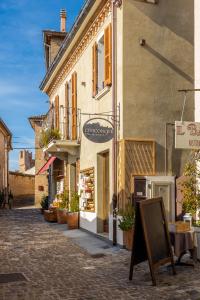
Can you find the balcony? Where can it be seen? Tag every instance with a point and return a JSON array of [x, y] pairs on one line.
[[60, 135]]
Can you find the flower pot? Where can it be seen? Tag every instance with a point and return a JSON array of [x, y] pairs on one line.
[[128, 239], [42, 210], [50, 216], [73, 220], [61, 216], [54, 210], [197, 240]]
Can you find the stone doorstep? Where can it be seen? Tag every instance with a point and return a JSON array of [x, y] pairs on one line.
[[96, 245]]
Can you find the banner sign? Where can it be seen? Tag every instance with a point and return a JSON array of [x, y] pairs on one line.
[[187, 135], [98, 130]]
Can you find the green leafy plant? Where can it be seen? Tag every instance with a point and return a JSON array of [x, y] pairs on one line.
[[46, 136], [74, 203], [128, 217], [190, 186], [44, 202], [64, 200], [196, 224]]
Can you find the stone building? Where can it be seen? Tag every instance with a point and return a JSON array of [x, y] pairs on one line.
[[123, 61], [5, 147], [26, 161], [41, 180], [22, 187]]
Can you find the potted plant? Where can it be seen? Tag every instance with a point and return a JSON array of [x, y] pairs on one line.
[[44, 203], [190, 187], [191, 193], [63, 207], [46, 136], [126, 224], [73, 214]]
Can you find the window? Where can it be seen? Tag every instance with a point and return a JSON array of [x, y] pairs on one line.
[[102, 62], [61, 129], [56, 112], [71, 108]]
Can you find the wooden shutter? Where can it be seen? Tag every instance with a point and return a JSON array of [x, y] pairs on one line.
[[94, 70], [67, 110], [57, 121], [108, 55], [74, 106]]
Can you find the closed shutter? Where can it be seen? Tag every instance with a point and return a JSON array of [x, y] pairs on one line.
[[74, 106], [67, 111], [57, 121], [94, 70], [108, 55]]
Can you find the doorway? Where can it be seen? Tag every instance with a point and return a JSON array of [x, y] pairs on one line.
[[103, 192]]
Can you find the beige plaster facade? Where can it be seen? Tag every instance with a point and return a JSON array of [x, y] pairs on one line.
[[148, 71]]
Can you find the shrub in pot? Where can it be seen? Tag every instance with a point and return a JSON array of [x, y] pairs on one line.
[[126, 224], [44, 203], [63, 207], [73, 214]]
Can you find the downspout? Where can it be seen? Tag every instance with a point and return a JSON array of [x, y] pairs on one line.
[[114, 141]]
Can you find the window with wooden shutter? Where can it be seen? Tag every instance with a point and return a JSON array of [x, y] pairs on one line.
[[74, 106], [94, 70], [57, 112], [67, 110], [108, 55]]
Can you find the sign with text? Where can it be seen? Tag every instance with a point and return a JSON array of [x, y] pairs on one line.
[[187, 135], [98, 130]]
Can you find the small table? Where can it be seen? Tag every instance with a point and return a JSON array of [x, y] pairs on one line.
[[183, 242]]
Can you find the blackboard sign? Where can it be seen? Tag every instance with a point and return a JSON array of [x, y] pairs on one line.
[[151, 237]]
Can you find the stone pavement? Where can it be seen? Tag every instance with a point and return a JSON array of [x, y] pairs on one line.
[[56, 267]]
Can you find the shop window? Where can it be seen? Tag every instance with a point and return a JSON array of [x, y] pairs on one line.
[[86, 190]]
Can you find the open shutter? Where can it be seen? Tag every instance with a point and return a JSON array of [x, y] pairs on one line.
[[74, 106], [94, 70], [57, 112], [108, 55], [67, 111]]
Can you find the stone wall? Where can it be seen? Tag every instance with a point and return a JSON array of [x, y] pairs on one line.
[[41, 181], [22, 188]]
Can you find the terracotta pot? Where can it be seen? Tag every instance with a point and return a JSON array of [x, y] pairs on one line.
[[62, 216], [73, 220], [54, 210], [42, 210], [128, 238], [50, 216]]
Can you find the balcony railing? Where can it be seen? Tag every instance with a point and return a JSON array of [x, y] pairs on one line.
[[65, 123]]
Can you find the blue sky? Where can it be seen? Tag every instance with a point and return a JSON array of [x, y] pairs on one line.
[[22, 62]]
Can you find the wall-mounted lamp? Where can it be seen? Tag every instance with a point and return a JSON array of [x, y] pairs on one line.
[[142, 42]]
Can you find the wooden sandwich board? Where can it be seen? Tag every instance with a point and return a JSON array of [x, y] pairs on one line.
[[151, 239]]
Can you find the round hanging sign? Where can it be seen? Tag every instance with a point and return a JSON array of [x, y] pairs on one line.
[[98, 130]]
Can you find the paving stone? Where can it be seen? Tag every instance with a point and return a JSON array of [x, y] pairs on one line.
[[56, 267]]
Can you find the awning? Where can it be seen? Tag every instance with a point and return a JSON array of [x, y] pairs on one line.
[[46, 165]]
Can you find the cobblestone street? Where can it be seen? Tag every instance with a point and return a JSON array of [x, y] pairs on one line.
[[56, 268]]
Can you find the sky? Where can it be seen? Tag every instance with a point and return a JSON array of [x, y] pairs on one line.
[[22, 66]]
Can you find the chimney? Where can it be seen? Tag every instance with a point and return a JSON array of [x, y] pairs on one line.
[[63, 16]]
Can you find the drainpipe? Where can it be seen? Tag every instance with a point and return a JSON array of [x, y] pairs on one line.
[[114, 109]]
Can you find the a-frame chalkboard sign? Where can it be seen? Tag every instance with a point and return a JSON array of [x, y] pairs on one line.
[[151, 237]]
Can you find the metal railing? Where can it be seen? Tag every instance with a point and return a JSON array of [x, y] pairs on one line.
[[68, 124]]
